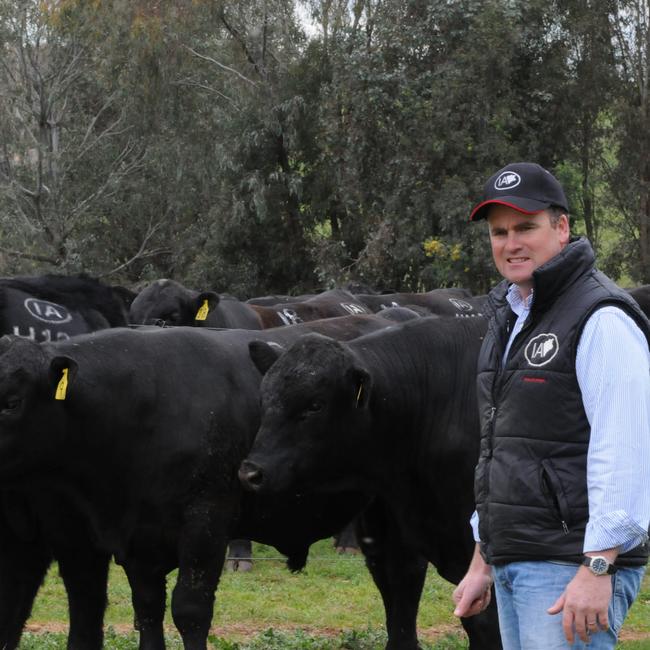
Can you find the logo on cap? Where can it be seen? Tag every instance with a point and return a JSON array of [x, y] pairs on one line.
[[507, 180], [541, 349]]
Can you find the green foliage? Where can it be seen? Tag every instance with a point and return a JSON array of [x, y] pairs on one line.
[[225, 145]]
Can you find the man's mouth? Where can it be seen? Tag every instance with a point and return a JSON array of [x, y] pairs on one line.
[[517, 260]]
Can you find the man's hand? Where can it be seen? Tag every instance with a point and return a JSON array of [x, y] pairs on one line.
[[584, 603], [473, 593]]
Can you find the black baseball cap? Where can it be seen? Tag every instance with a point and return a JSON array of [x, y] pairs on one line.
[[524, 186]]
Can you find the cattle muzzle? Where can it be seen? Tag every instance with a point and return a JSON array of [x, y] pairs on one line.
[[251, 476]]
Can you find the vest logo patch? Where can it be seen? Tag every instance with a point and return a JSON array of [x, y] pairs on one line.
[[48, 312], [541, 349], [461, 305]]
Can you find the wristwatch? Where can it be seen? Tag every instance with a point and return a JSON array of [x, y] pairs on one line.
[[599, 565]]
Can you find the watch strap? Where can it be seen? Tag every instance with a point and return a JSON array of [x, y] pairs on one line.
[[588, 561]]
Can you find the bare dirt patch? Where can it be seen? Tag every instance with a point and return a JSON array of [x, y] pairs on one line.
[[246, 631]]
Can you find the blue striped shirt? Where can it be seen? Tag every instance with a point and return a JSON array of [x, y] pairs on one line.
[[613, 372]]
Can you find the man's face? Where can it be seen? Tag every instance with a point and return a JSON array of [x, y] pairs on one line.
[[521, 242]]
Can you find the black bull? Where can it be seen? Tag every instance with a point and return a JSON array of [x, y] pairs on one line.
[[393, 414], [140, 460], [49, 308]]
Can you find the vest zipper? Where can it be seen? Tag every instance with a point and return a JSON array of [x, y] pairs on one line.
[[490, 438], [553, 486]]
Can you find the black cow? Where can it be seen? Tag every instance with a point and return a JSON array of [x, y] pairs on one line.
[[169, 302], [642, 296], [441, 302], [55, 307], [172, 303], [49, 308], [271, 301], [171, 412], [329, 304], [394, 414]]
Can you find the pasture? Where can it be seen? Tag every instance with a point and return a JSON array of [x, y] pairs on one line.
[[331, 605]]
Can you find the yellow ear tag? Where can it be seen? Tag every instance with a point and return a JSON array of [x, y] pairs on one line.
[[62, 386], [202, 314], [359, 393]]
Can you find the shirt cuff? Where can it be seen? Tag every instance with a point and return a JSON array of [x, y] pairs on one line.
[[473, 522], [614, 530]]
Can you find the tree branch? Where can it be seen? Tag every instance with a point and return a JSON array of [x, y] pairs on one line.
[[196, 84], [234, 32], [29, 256], [221, 65], [142, 252]]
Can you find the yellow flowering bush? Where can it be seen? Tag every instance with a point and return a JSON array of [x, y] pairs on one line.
[[433, 247]]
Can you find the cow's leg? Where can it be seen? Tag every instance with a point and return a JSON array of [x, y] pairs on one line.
[[483, 629], [202, 551], [22, 569], [85, 575], [148, 594], [346, 540], [398, 572], [240, 555]]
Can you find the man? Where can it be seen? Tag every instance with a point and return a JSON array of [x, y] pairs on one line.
[[562, 483]]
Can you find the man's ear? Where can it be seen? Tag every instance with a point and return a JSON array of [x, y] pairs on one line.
[[565, 229], [264, 355], [362, 386], [205, 302], [63, 371]]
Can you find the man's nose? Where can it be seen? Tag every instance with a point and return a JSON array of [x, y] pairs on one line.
[[513, 241]]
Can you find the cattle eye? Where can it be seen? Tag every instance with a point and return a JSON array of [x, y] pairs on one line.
[[315, 406], [11, 404], [172, 317]]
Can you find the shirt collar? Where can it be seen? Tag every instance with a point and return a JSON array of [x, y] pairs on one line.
[[518, 304]]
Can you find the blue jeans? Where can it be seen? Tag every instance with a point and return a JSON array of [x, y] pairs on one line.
[[525, 590]]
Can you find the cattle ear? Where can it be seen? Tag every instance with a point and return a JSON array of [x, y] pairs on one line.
[[206, 302], [63, 371], [362, 382], [264, 355]]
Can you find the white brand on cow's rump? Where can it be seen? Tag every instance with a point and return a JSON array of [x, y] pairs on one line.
[[353, 308], [45, 335], [461, 305], [541, 349], [48, 312], [289, 316]]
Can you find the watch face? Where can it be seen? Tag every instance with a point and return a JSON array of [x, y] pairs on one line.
[[599, 565]]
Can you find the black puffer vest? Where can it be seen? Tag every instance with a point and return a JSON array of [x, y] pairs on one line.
[[530, 483]]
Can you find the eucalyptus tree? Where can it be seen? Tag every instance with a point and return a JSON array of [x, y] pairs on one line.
[[630, 170], [419, 102], [64, 141]]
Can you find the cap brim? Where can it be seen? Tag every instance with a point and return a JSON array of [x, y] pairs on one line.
[[525, 206]]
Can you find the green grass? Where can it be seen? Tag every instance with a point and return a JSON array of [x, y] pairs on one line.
[[332, 605]]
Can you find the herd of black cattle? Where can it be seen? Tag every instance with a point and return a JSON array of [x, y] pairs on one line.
[[154, 428]]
